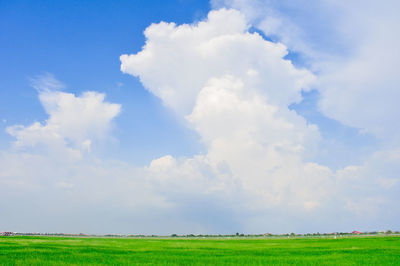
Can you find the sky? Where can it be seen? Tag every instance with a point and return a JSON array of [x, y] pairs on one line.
[[203, 117]]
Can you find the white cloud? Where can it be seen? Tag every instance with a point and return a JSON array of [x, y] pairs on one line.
[[233, 88], [372, 188], [89, 195], [73, 123], [56, 185], [352, 48], [352, 45], [177, 62], [46, 82], [283, 21]]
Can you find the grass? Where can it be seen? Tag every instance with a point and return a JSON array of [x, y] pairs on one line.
[[21, 250]]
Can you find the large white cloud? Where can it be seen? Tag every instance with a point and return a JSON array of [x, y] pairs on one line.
[[258, 142], [234, 88], [353, 47], [176, 62]]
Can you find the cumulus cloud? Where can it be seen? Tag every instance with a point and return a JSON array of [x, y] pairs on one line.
[[234, 88], [353, 48], [51, 178], [177, 61], [49, 175], [74, 121]]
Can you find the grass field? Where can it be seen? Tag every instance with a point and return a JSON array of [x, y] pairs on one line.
[[19, 250]]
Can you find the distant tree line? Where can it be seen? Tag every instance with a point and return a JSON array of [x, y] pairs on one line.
[[236, 235]]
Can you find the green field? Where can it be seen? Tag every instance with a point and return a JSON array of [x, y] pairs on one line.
[[21, 250]]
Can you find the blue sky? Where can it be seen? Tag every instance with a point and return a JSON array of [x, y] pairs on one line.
[[212, 116], [80, 44]]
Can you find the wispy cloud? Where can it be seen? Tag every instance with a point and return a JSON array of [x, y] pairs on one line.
[[46, 82]]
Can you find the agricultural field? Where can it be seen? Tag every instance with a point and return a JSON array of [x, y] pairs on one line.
[[24, 250]]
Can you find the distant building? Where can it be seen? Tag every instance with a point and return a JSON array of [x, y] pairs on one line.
[[6, 233], [356, 232]]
